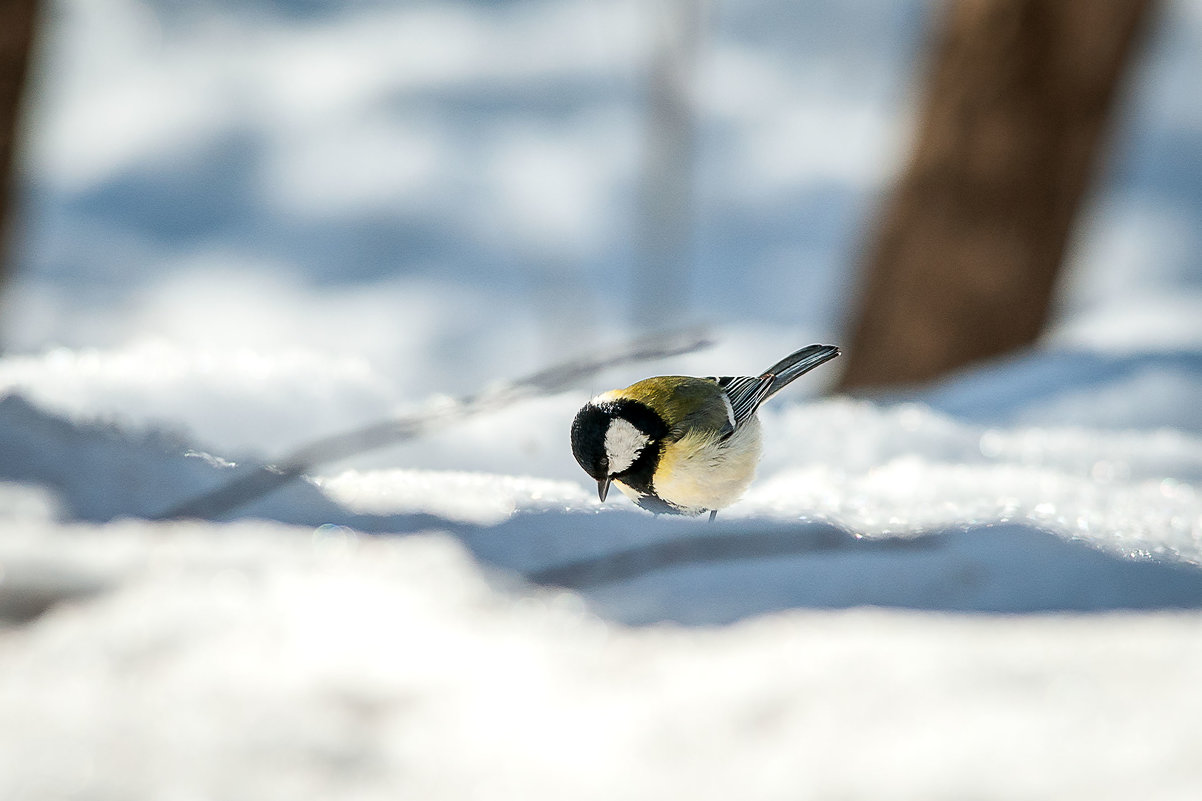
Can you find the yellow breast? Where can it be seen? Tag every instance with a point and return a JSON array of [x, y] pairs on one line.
[[701, 472]]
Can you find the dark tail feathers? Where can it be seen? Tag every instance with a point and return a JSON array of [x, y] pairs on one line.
[[796, 365]]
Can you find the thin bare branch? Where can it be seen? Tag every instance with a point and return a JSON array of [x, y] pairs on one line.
[[268, 478]]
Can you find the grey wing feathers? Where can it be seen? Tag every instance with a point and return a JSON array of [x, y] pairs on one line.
[[746, 393]]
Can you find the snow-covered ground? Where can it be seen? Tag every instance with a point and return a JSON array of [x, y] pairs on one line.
[[248, 226]]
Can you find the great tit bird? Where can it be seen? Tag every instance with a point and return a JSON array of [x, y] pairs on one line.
[[682, 445]]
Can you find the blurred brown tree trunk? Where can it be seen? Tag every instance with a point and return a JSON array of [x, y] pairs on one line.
[[16, 40], [967, 250]]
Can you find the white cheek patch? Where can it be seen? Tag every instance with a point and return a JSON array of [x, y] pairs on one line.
[[623, 444]]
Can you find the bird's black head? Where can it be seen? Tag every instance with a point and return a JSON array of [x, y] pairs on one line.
[[617, 437], [588, 439]]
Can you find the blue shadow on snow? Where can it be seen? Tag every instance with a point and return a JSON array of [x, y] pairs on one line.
[[638, 570]]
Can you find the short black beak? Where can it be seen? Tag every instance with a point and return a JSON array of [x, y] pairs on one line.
[[603, 487]]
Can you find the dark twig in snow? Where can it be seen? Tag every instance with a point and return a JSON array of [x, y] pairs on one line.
[[737, 542]]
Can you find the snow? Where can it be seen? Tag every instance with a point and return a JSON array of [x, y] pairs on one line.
[[247, 227], [260, 662]]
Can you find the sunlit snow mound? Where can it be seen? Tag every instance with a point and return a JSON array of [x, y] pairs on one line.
[[954, 483]]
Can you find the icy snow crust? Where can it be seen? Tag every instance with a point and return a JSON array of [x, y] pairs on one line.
[[249, 226]]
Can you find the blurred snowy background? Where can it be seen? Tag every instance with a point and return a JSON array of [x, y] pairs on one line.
[[243, 226]]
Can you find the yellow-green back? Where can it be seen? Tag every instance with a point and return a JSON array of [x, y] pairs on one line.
[[685, 401]]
